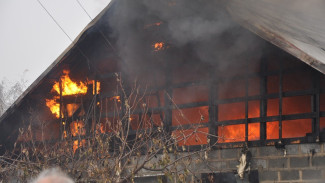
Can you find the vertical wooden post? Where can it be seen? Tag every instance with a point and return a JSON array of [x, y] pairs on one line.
[[246, 103], [315, 107], [94, 117], [246, 108], [62, 127], [168, 97], [280, 100], [263, 101], [213, 109]]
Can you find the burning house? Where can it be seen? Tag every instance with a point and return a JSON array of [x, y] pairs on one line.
[[238, 88]]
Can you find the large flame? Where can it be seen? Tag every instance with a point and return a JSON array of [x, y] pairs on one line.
[[68, 86]]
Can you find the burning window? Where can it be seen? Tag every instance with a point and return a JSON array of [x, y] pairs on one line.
[[287, 101], [67, 105], [65, 87], [190, 110]]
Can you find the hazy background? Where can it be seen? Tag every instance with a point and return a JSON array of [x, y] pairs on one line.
[[30, 40]]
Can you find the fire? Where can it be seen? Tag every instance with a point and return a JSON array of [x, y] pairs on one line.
[[71, 109], [77, 144], [77, 128], [68, 86], [290, 128], [54, 106], [158, 46], [97, 89], [154, 24], [117, 98]]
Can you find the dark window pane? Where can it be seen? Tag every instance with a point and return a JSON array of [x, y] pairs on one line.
[[231, 111], [190, 94], [322, 123], [297, 81], [272, 107], [231, 89], [273, 84], [254, 109], [295, 105], [322, 102], [154, 100], [190, 72], [147, 120], [253, 86]]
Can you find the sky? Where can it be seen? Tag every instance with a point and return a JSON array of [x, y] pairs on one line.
[[30, 40]]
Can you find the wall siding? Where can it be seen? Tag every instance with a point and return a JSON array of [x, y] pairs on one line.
[[301, 163]]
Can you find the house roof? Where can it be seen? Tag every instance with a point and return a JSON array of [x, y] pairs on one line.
[[299, 31], [56, 62], [297, 27]]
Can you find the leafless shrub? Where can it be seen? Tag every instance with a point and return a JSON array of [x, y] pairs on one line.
[[119, 153]]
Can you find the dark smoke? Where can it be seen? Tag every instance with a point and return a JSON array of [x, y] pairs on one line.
[[192, 30]]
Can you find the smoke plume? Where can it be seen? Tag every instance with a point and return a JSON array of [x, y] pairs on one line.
[[190, 30]]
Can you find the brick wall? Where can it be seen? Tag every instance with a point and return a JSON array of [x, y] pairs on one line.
[[296, 163], [302, 163]]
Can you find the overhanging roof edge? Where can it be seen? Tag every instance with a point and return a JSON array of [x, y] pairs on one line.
[[57, 61]]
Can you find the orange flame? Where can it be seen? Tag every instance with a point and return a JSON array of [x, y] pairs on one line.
[[54, 106], [77, 128], [69, 87], [71, 109], [117, 98], [77, 144], [97, 87], [158, 46]]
